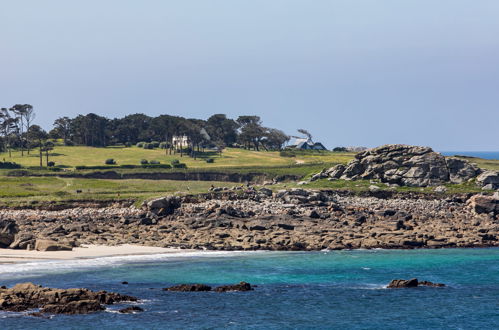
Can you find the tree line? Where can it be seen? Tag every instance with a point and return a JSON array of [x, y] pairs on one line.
[[218, 131]]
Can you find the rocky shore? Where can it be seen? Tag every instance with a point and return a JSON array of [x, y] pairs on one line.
[[295, 219]]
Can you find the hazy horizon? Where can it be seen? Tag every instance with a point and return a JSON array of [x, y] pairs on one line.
[[354, 73]]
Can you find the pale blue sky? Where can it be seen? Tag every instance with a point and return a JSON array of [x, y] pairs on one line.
[[353, 72]]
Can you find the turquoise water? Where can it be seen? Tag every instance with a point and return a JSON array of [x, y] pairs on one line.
[[305, 290], [479, 154]]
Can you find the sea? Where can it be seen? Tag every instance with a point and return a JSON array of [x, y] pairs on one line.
[[477, 154], [293, 290]]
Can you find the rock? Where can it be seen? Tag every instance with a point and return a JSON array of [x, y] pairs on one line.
[[484, 204], [49, 245], [314, 214], [406, 166], [164, 205], [74, 307], [489, 178], [374, 188], [131, 310], [266, 192], [26, 296], [440, 189], [22, 241], [189, 288], [8, 231], [412, 283], [242, 286]]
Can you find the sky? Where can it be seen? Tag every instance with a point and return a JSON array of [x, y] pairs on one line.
[[352, 72]]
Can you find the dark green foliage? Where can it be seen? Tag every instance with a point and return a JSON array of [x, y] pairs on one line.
[[110, 161], [140, 144], [51, 164], [148, 146], [181, 165], [9, 165], [210, 160], [175, 162], [144, 162], [340, 149], [154, 162]]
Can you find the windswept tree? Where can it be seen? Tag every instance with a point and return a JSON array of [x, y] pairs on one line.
[[222, 129], [62, 128], [306, 133], [36, 133], [251, 131], [275, 139], [9, 128]]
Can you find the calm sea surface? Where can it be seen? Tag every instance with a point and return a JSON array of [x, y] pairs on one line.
[[305, 290], [479, 154]]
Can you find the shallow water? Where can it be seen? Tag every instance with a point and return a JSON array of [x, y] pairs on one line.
[[335, 289]]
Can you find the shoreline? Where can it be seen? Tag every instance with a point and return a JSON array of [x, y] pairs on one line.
[[90, 251]]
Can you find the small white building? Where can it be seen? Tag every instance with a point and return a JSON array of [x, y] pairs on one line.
[[180, 141]]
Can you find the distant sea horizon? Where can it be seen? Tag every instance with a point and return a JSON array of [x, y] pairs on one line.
[[478, 154]]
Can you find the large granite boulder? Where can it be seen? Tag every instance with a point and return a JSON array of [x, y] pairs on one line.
[[49, 245], [489, 179], [8, 231], [484, 204], [406, 166], [164, 205]]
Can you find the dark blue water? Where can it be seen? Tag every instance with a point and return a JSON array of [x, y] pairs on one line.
[[478, 154], [305, 290]]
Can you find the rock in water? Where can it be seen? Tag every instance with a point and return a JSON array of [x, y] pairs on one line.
[[27, 296], [412, 283], [406, 166], [242, 286], [189, 288], [131, 310], [8, 231]]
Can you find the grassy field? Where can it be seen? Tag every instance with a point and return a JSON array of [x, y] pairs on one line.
[[231, 157], [25, 190]]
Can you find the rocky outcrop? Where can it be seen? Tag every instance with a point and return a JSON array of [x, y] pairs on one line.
[[405, 166], [8, 231], [131, 310], [242, 286], [489, 180], [189, 288], [294, 219], [26, 296], [412, 283]]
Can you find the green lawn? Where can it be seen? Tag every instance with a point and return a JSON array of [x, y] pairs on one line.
[[231, 157]]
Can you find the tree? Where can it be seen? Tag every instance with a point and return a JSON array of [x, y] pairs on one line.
[[222, 129], [275, 139], [306, 133], [251, 131], [36, 133], [62, 127], [29, 116], [9, 127]]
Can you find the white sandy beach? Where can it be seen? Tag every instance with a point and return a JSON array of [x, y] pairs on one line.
[[83, 252]]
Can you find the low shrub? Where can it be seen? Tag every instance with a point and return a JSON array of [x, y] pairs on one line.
[[155, 144], [157, 166], [51, 164], [179, 165], [210, 160], [140, 144], [287, 153], [148, 146], [144, 162], [154, 162], [163, 145], [128, 144], [9, 165], [175, 161], [18, 173], [110, 161], [55, 169]]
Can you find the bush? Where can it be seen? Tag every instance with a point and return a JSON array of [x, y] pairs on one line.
[[110, 161], [155, 144], [287, 153], [51, 164], [179, 165], [55, 169], [154, 162], [340, 149], [140, 144], [163, 145], [175, 162], [148, 146], [210, 160], [128, 144], [9, 165], [157, 166], [69, 143], [144, 162]]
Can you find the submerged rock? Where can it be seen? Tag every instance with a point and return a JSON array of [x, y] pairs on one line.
[[189, 288], [131, 310], [241, 286]]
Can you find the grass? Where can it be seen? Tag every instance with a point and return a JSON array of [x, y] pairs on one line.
[[26, 190], [231, 157]]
